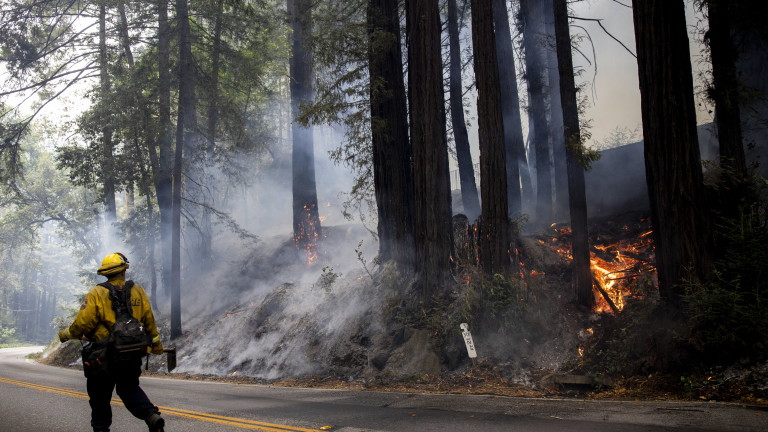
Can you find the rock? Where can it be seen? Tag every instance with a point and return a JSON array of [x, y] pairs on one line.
[[414, 357]]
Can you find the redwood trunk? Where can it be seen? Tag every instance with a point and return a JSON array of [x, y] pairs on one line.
[[392, 176], [672, 158], [306, 217], [577, 201], [469, 196], [432, 195], [531, 15], [516, 161], [494, 234]]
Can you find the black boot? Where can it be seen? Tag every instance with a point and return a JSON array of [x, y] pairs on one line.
[[155, 423]]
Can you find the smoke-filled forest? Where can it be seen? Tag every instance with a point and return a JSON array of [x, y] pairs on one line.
[[329, 190]]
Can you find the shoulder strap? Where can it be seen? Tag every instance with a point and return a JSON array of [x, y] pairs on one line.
[[120, 300]]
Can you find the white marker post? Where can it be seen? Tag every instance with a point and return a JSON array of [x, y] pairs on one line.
[[468, 340]]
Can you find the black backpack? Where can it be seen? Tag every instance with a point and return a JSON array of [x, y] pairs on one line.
[[127, 339]]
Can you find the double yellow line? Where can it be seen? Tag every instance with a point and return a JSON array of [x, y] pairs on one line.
[[211, 418]]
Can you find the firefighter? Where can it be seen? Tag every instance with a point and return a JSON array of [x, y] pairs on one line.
[[93, 323]]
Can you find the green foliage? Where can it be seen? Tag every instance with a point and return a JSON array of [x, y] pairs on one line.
[[729, 314], [7, 336], [495, 304], [584, 155], [327, 278]]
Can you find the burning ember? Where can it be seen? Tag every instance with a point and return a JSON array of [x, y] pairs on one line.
[[618, 257], [308, 234]]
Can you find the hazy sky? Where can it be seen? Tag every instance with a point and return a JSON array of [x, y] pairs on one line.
[[614, 92]]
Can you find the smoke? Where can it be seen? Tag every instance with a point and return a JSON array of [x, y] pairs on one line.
[[258, 308]]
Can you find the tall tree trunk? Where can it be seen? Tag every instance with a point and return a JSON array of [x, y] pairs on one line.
[[206, 229], [108, 168], [125, 41], [577, 201], [163, 177], [672, 160], [306, 218], [431, 183], [469, 197], [531, 15], [726, 87], [184, 127], [516, 161], [392, 176], [556, 116], [494, 228]]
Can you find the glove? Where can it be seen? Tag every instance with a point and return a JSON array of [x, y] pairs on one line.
[[157, 348], [64, 335]]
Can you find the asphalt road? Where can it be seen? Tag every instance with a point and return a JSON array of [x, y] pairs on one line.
[[35, 397]]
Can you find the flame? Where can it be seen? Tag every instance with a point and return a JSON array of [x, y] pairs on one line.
[[614, 265]]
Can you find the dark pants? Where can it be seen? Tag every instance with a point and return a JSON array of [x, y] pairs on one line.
[[126, 380]]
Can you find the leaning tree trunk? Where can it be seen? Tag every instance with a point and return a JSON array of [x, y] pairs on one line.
[[577, 201], [531, 15], [431, 185], [469, 196], [184, 126], [494, 228], [516, 161], [672, 160], [392, 176], [306, 217]]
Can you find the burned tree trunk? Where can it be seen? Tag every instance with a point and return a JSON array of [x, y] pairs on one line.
[[672, 159], [577, 201], [392, 175], [532, 23], [464, 157], [494, 246], [516, 161], [431, 185], [306, 217]]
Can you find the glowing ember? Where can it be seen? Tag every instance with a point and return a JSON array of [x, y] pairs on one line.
[[308, 234], [615, 264]]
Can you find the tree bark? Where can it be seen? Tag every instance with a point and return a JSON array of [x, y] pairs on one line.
[[163, 176], [431, 185], [206, 229], [556, 135], [184, 127], [577, 201], [469, 197], [672, 159], [306, 218], [494, 228], [392, 176], [108, 176], [726, 88], [516, 161], [531, 16]]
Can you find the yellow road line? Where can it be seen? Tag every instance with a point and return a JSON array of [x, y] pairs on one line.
[[211, 418]]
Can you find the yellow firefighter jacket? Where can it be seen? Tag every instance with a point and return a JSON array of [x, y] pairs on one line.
[[96, 315]]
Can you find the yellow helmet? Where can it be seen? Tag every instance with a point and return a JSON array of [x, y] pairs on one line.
[[112, 264]]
